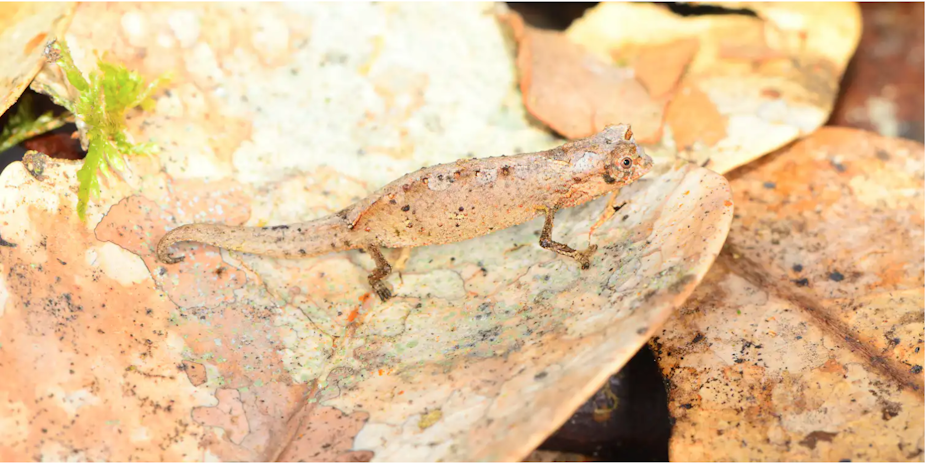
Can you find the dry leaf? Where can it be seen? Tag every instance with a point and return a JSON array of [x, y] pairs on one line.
[[489, 345], [753, 85], [882, 90], [25, 28], [805, 341], [575, 93]]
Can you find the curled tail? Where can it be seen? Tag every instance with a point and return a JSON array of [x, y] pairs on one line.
[[328, 234]]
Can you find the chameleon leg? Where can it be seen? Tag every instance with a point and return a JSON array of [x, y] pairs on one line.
[[380, 273], [546, 241]]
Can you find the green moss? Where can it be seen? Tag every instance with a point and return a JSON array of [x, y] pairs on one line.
[[24, 125], [101, 104]]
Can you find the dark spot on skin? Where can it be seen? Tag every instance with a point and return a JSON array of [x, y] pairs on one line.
[[838, 166], [687, 406], [768, 185], [625, 217], [803, 282], [220, 271], [608, 179], [698, 338], [277, 228], [302, 252], [440, 177], [506, 170], [798, 268], [461, 209], [882, 155], [392, 201], [917, 369], [406, 208], [62, 261], [458, 225], [540, 375], [836, 276], [406, 187], [333, 245], [642, 331], [617, 208]]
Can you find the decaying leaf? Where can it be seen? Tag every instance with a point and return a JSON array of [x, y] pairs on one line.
[[805, 342], [285, 112], [738, 86], [25, 27], [577, 94]]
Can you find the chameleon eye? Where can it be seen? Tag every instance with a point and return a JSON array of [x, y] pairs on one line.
[[625, 163]]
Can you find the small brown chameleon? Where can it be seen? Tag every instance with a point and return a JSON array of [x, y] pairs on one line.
[[446, 203]]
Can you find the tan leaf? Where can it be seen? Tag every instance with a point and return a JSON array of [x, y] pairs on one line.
[[490, 344], [764, 80], [805, 341], [577, 94], [25, 28]]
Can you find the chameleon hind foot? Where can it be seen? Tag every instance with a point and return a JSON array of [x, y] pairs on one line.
[[382, 290], [382, 270]]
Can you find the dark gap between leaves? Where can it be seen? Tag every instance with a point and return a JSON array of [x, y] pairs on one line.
[[56, 144], [687, 9], [636, 430]]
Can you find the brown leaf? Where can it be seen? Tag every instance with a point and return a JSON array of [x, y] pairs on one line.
[[883, 87], [25, 28], [575, 93], [761, 81], [659, 67], [805, 341], [489, 344]]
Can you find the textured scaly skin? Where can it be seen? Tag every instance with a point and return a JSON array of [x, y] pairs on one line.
[[446, 203]]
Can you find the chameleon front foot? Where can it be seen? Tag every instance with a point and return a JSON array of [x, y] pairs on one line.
[[584, 257]]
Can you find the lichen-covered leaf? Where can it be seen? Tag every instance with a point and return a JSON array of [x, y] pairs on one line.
[[730, 88], [805, 342], [285, 112], [25, 28]]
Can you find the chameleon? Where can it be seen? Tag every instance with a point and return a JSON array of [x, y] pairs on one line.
[[446, 203]]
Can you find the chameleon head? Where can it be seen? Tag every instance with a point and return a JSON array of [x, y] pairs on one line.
[[626, 161]]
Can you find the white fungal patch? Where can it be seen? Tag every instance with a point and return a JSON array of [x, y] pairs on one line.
[[486, 176]]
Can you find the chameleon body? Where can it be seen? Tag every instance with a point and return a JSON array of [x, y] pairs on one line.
[[446, 203]]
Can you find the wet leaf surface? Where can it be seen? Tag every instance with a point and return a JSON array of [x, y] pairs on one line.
[[805, 342], [225, 356]]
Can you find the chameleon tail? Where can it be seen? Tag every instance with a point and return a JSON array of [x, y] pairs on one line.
[[302, 240]]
